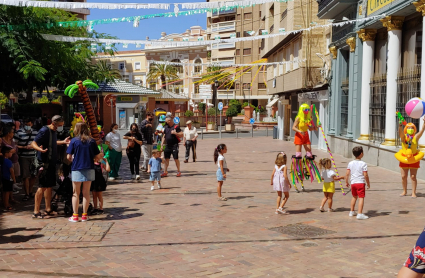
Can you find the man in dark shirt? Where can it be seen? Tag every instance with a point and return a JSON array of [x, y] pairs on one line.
[[45, 143], [146, 129], [171, 137]]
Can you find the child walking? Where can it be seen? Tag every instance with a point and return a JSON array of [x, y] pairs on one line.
[[99, 183], [8, 177], [329, 178], [222, 168], [357, 171], [280, 182], [154, 167]]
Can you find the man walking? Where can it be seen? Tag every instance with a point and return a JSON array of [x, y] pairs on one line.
[[24, 137], [190, 135], [45, 143], [146, 129], [171, 138]]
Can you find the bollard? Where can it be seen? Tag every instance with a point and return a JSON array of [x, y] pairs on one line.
[[202, 134], [252, 130], [237, 132], [267, 131]]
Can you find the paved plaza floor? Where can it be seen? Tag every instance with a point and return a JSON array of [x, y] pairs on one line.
[[182, 230]]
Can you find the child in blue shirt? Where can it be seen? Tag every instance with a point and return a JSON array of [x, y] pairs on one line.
[[8, 176], [155, 169]]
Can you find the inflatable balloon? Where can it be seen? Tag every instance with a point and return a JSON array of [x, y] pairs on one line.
[[415, 108]]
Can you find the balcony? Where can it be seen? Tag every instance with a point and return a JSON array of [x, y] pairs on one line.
[[271, 29], [223, 26], [223, 12], [226, 61], [329, 9], [224, 45]]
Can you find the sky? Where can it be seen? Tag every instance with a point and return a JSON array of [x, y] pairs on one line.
[[151, 28]]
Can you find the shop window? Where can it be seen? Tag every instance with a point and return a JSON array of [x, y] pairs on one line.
[[345, 93]]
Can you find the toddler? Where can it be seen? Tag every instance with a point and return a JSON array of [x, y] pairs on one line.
[[280, 182], [357, 171], [8, 177], [154, 167], [101, 168], [222, 168], [329, 176]]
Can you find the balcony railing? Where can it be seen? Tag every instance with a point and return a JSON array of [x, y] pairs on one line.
[[223, 26], [323, 4], [224, 45], [224, 12]]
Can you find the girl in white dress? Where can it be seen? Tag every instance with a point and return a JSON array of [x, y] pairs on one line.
[[280, 182]]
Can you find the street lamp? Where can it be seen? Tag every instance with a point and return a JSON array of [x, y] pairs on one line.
[[215, 103]]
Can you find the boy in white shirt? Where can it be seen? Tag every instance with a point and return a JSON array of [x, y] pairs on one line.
[[357, 172]]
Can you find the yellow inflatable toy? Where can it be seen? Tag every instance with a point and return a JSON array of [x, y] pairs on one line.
[[409, 155]]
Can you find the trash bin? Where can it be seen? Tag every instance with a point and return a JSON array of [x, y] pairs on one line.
[[275, 132]]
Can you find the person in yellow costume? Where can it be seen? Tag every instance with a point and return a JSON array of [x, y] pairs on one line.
[[302, 124], [409, 156]]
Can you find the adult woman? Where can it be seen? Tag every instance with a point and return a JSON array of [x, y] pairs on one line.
[[301, 127], [8, 133], [82, 151], [134, 150], [113, 140], [409, 155]]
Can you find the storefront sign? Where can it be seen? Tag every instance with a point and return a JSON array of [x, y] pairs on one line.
[[125, 99], [314, 96], [375, 5]]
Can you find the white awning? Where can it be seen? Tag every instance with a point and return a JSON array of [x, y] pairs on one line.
[[127, 105], [271, 103]]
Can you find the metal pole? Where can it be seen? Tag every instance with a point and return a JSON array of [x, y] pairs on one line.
[[202, 133], [112, 112], [220, 126], [237, 133], [252, 130]]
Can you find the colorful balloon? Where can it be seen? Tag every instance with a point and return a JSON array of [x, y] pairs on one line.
[[415, 108]]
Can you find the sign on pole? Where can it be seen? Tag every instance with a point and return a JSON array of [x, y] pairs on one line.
[[220, 106], [176, 120], [252, 121]]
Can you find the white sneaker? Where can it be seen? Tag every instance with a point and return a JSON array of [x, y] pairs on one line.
[[137, 177], [152, 187], [352, 213], [159, 185], [16, 186], [111, 179], [133, 177], [321, 209], [362, 216]]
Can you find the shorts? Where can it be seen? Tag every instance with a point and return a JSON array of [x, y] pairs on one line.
[[416, 259], [26, 164], [416, 165], [220, 175], [155, 176], [329, 187], [302, 139], [7, 185], [171, 150], [358, 189], [83, 175], [17, 169]]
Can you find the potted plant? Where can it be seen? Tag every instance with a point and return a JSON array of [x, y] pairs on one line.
[[211, 123], [188, 113], [196, 124], [231, 112], [201, 107]]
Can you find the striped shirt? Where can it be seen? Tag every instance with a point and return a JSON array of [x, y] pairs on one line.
[[23, 138]]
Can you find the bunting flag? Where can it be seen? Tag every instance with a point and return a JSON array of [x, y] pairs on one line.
[[201, 40], [215, 64]]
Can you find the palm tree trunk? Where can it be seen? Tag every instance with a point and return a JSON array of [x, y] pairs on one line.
[[91, 119], [163, 82]]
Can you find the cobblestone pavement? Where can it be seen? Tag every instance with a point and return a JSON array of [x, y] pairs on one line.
[[182, 230]]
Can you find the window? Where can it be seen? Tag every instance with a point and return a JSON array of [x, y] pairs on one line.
[[179, 68], [198, 68], [121, 66], [247, 16], [288, 59], [259, 50], [238, 86], [283, 16], [238, 52], [280, 59], [260, 14], [262, 86], [238, 17], [275, 68], [229, 18], [137, 66], [247, 51], [238, 34], [246, 86], [296, 51], [197, 88]]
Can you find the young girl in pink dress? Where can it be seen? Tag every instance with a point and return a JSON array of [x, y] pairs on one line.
[[280, 182]]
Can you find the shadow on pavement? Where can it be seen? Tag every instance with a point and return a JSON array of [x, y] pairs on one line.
[[375, 213], [239, 197], [61, 274], [301, 211], [16, 238]]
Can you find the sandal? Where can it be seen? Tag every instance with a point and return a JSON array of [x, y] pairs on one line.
[[163, 175], [8, 209], [48, 212], [100, 211], [222, 198], [37, 216]]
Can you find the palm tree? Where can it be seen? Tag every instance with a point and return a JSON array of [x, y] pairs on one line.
[[163, 72], [103, 72], [81, 88]]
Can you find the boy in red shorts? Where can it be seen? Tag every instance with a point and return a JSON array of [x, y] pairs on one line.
[[357, 171]]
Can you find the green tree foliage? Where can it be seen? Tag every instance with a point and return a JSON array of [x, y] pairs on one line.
[[103, 72], [232, 111], [237, 104], [162, 72], [3, 100], [201, 107], [44, 99], [211, 111], [188, 113], [29, 62]]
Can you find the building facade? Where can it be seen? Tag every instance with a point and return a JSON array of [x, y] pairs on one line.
[[303, 79], [376, 69], [238, 23]]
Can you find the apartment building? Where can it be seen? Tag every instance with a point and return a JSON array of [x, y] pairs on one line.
[[237, 23], [303, 78], [188, 74]]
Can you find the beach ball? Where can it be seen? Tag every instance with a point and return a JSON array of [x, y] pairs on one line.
[[415, 108]]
